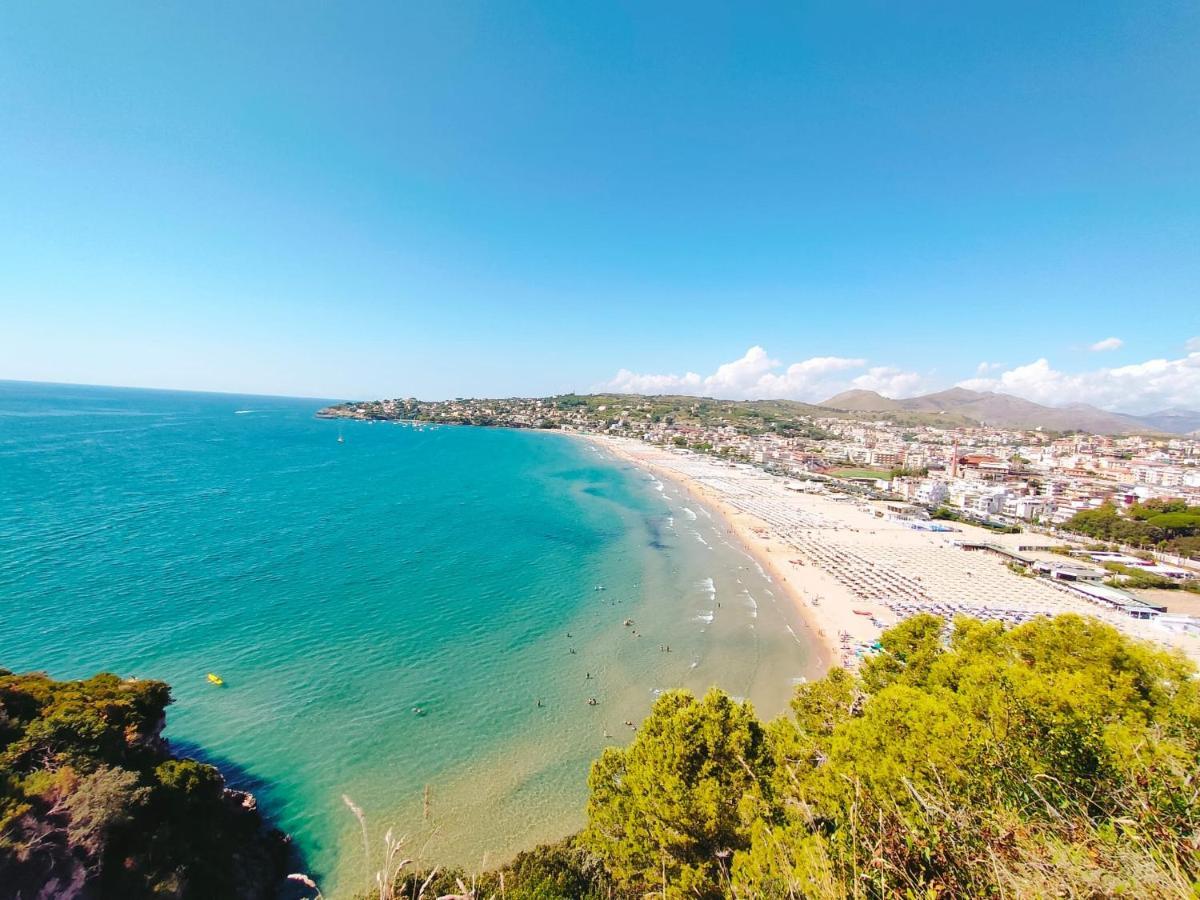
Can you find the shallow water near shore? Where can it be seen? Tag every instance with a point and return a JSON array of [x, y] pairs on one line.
[[409, 617]]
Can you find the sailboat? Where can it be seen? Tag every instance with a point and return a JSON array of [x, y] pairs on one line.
[[341, 440]]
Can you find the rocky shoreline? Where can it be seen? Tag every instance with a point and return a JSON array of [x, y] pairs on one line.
[[94, 804]]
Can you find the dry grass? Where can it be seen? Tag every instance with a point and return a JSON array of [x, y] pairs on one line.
[[382, 873]]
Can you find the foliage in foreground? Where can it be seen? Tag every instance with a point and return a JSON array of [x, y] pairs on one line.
[[92, 805], [1058, 758]]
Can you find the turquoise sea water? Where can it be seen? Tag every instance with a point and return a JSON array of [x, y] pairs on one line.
[[338, 587]]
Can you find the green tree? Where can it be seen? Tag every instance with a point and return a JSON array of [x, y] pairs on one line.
[[89, 797], [103, 801], [667, 813], [1056, 758], [1176, 522]]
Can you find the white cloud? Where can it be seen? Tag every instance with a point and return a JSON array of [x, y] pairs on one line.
[[741, 375], [890, 381], [626, 382], [1193, 344], [731, 379], [812, 379], [1142, 387], [756, 376], [1112, 343]]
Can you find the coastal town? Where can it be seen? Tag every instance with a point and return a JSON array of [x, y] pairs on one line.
[[870, 519], [997, 475]]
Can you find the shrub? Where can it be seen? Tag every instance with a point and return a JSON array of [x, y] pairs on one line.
[[91, 804], [1057, 758], [667, 813]]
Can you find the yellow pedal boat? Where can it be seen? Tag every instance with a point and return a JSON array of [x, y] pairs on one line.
[[215, 679]]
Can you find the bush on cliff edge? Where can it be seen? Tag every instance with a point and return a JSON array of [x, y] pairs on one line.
[[93, 805]]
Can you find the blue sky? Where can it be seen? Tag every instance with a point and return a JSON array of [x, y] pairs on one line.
[[448, 199]]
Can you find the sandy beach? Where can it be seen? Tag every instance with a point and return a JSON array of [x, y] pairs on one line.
[[852, 570], [824, 603]]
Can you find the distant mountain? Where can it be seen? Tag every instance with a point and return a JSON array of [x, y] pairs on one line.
[[1098, 421], [1174, 420], [1002, 410], [953, 400], [862, 401]]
